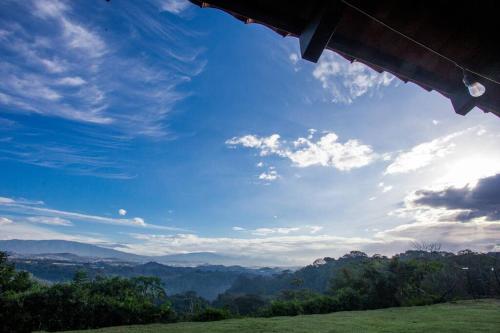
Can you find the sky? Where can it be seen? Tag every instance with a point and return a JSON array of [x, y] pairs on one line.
[[158, 127]]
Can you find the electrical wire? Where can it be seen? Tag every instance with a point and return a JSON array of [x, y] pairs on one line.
[[418, 43]]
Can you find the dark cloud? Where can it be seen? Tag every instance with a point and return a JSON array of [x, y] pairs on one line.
[[483, 200]]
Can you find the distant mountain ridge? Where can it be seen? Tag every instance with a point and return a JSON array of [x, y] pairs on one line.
[[208, 274], [64, 248]]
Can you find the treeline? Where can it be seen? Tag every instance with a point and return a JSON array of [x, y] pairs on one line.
[[27, 306], [207, 281], [352, 282], [359, 282]]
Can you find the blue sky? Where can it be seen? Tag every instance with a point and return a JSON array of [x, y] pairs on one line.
[[161, 127]]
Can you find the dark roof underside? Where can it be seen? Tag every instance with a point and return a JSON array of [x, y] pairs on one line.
[[464, 32]]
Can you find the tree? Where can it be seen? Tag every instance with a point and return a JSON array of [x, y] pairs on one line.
[[426, 246]]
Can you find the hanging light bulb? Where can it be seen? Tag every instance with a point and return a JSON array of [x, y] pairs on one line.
[[475, 88]]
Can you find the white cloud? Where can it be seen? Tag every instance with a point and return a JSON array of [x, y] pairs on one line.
[[19, 230], [315, 228], [294, 58], [74, 81], [270, 175], [303, 152], [422, 214], [266, 231], [423, 154], [285, 246], [327, 151], [52, 66], [282, 248], [49, 8], [269, 231], [385, 188], [468, 169], [174, 6], [81, 38], [122, 212], [435, 122], [78, 36], [478, 235], [442, 216], [30, 87], [267, 145], [457, 159], [260, 164], [347, 81], [4, 220], [50, 220], [4, 200], [386, 157], [139, 221]]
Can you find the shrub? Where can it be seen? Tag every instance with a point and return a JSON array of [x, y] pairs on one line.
[[284, 308], [320, 304], [211, 314], [348, 299]]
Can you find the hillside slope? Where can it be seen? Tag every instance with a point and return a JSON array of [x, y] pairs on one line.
[[463, 316]]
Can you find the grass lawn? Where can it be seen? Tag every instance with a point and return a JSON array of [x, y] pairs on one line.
[[463, 316]]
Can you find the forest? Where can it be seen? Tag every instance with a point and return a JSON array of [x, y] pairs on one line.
[[354, 281]]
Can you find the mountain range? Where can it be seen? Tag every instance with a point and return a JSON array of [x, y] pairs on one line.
[[90, 252]]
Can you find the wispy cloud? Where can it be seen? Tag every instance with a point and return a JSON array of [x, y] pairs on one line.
[[304, 152], [174, 6], [266, 231], [38, 213], [423, 154], [462, 157], [5, 220], [74, 81], [21, 230], [59, 62], [87, 158], [88, 75], [50, 220], [347, 81]]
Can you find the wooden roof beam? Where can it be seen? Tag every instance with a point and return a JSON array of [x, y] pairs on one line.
[[317, 33], [389, 63], [252, 11], [462, 103]]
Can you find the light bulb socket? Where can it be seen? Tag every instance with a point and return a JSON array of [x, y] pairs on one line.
[[467, 80]]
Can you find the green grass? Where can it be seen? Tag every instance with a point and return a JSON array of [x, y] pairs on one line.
[[463, 316]]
